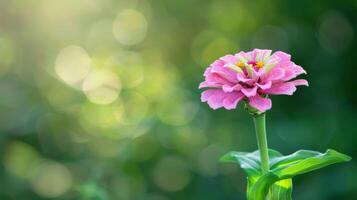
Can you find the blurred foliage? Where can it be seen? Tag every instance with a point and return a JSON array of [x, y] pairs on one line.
[[99, 98]]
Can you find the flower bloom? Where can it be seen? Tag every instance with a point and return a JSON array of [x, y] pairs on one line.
[[250, 76]]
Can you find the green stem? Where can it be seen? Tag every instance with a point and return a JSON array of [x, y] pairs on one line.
[[259, 123]]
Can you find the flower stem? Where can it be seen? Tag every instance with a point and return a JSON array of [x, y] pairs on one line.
[[259, 123]]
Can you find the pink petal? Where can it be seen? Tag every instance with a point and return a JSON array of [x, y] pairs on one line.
[[256, 73], [216, 98], [282, 55], [299, 82], [261, 53], [273, 60], [207, 71], [287, 88], [284, 63], [217, 64], [219, 68], [208, 93], [227, 88], [264, 86], [205, 84], [284, 59], [229, 59], [250, 55], [249, 92], [289, 74], [276, 73], [299, 70], [242, 78], [231, 101], [241, 54], [227, 75], [217, 79], [293, 71], [260, 103]]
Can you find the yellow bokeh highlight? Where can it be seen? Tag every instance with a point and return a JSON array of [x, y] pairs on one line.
[[130, 27], [72, 64], [129, 66], [20, 158], [52, 179], [158, 81], [102, 116], [102, 86]]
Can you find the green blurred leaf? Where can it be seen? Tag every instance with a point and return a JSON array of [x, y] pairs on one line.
[[277, 183], [92, 191]]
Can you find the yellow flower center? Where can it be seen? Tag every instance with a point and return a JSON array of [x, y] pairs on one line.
[[240, 64], [260, 64]]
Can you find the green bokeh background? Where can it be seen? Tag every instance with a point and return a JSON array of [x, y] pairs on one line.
[[99, 98]]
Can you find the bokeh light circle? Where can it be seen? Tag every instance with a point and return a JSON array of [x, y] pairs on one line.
[[101, 116], [19, 158], [53, 179], [130, 27], [72, 64], [335, 32], [129, 66], [102, 86]]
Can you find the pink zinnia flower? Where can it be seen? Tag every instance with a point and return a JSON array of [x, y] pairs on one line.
[[250, 76]]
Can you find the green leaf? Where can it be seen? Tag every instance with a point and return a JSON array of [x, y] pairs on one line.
[[271, 187], [248, 161], [281, 190], [259, 188], [304, 161], [277, 183], [91, 191]]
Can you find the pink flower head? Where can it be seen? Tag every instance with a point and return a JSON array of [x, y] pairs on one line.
[[250, 76]]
